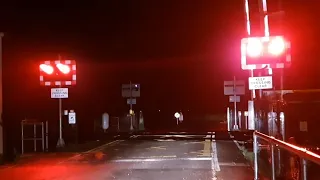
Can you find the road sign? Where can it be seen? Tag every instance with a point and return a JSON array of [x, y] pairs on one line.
[[72, 118], [133, 101], [263, 82], [59, 92], [229, 87], [231, 98], [135, 90]]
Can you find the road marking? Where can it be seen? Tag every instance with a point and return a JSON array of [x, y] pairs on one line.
[[237, 144], [213, 155], [165, 140], [103, 146], [133, 136], [206, 149], [173, 158], [233, 164], [161, 159], [215, 160], [157, 148], [170, 156], [91, 150]]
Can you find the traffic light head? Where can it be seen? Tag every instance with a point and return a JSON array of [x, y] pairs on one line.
[[265, 50], [58, 73], [65, 69], [48, 69], [56, 70]]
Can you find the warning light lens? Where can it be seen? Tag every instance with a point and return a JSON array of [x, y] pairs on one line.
[[65, 69], [46, 68], [277, 46], [254, 47]]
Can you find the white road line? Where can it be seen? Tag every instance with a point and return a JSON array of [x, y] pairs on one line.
[[91, 150], [103, 146], [163, 159], [233, 164], [214, 159], [215, 155]]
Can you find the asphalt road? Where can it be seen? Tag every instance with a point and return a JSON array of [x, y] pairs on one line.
[[152, 158]]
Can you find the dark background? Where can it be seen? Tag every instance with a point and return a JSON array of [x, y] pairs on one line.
[[180, 51]]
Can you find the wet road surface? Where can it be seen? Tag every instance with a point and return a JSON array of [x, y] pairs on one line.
[[137, 158]]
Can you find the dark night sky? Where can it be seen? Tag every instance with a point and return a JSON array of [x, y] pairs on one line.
[[180, 51]]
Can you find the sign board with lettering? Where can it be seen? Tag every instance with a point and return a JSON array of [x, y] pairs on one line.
[[231, 98], [263, 82], [229, 87], [135, 90], [59, 92], [132, 101], [72, 118]]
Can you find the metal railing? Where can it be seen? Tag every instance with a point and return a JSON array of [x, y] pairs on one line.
[[43, 138], [304, 154]]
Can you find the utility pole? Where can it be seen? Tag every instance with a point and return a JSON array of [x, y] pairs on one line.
[[1, 102], [60, 142], [131, 115], [236, 127]]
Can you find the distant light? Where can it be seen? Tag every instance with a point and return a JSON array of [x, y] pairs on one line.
[[159, 110], [136, 85], [177, 115]]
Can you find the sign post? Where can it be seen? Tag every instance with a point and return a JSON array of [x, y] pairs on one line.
[[236, 127], [234, 88], [131, 91], [60, 93], [131, 115], [1, 100], [58, 73]]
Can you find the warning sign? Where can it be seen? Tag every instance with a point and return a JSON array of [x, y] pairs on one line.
[[264, 82], [59, 92]]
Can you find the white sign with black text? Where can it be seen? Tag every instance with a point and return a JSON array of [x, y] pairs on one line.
[[72, 117], [264, 82], [59, 92]]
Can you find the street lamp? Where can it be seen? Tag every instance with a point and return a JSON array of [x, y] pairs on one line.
[[177, 116]]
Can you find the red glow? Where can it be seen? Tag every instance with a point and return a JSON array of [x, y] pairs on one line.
[[254, 47], [46, 68], [65, 69], [276, 46]]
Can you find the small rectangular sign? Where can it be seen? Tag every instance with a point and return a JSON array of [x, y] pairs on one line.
[[231, 98], [59, 92], [229, 87], [72, 118], [133, 101], [264, 82], [135, 90]]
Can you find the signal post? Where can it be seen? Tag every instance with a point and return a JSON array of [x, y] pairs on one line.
[[262, 52], [58, 74]]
